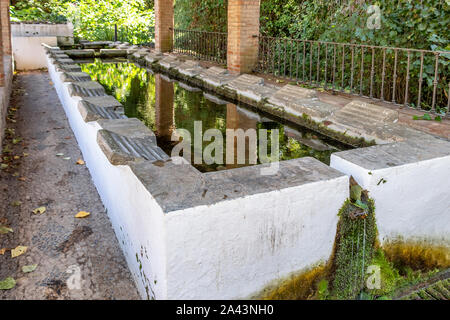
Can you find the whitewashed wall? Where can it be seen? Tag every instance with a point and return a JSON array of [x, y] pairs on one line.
[[414, 201], [229, 250]]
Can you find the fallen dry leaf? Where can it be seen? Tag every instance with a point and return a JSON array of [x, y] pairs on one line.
[[22, 179], [40, 210], [5, 229], [2, 251], [16, 203], [80, 162], [7, 284], [30, 268], [18, 251], [82, 214]]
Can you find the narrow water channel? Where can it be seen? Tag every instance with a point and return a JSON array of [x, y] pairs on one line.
[[164, 106]]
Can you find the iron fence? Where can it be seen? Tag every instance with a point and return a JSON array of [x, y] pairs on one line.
[[127, 34], [414, 78], [209, 46]]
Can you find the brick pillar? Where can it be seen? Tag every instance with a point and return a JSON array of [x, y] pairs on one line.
[[243, 26], [2, 68], [164, 108], [6, 27], [164, 25]]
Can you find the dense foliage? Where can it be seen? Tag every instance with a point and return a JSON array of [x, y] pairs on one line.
[[93, 19], [406, 23]]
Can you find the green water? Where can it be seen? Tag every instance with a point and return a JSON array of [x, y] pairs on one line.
[[163, 106]]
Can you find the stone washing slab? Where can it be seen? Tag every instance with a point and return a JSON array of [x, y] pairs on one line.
[[86, 53], [153, 57], [216, 76], [170, 62], [139, 54], [251, 87], [86, 89], [299, 101], [121, 150], [98, 110], [367, 120], [190, 68], [361, 113], [64, 61], [96, 44], [317, 110], [68, 68], [129, 127], [75, 76], [112, 53], [179, 186], [103, 101], [60, 56]]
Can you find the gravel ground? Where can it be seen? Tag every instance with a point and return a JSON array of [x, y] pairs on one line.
[[76, 258]]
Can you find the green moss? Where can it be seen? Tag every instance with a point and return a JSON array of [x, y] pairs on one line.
[[301, 286], [354, 248]]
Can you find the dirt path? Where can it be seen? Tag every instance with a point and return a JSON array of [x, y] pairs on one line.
[[76, 258]]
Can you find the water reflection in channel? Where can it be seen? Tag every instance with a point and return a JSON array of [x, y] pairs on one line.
[[165, 106]]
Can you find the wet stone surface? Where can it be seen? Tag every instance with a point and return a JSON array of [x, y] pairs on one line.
[[68, 251]]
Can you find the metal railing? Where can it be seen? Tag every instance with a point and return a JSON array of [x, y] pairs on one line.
[[414, 78], [209, 46], [127, 34]]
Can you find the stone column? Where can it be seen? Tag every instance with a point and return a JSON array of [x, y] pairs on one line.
[[164, 25], [6, 27], [243, 32]]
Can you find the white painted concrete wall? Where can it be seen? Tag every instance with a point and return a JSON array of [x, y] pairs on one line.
[[29, 53], [27, 39], [41, 30], [413, 204], [229, 250]]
